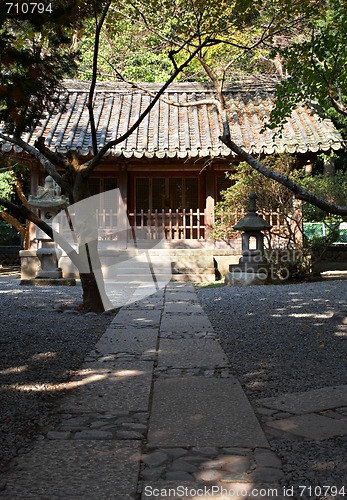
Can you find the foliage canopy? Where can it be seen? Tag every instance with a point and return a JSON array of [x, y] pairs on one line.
[[316, 66], [35, 55]]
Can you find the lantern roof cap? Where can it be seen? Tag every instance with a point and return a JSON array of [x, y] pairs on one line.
[[252, 221]]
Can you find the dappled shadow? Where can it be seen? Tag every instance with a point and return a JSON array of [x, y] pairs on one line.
[[278, 338], [39, 348], [287, 339]]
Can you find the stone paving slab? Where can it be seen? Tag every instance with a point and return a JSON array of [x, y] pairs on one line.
[[311, 426], [126, 292], [185, 323], [180, 287], [308, 402], [211, 464], [87, 470], [147, 303], [110, 386], [154, 300], [183, 306], [200, 411], [139, 318], [191, 353], [135, 340], [189, 295]]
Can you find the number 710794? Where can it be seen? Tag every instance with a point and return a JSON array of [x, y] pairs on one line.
[[28, 8]]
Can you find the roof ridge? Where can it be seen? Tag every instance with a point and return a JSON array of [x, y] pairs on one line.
[[73, 85]]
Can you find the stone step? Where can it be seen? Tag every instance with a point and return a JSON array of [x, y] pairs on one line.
[[145, 268], [194, 278], [140, 265], [183, 261], [178, 277]]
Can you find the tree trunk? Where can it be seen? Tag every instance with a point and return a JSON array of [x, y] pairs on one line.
[[92, 280], [92, 300]]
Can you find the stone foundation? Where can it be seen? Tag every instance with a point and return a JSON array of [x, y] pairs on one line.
[[239, 278], [197, 264]]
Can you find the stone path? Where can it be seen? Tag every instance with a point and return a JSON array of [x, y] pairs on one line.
[[313, 415], [155, 412]]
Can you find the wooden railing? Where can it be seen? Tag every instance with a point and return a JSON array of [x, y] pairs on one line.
[[108, 224], [171, 225]]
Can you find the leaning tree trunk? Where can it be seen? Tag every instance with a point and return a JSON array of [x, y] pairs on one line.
[[92, 280], [92, 300], [85, 231]]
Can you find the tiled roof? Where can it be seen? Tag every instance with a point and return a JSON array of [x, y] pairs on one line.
[[183, 132]]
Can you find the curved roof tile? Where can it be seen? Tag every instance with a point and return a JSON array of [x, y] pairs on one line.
[[186, 131]]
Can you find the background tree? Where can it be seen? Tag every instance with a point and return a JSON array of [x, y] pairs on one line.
[[316, 74], [21, 111], [35, 56], [12, 180], [217, 37], [272, 198], [127, 48], [316, 67], [237, 32], [278, 206]]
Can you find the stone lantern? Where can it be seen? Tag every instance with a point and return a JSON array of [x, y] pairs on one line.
[[252, 267], [49, 201]]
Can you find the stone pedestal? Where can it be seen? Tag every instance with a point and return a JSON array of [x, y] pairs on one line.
[[240, 278], [48, 257], [29, 264], [34, 274]]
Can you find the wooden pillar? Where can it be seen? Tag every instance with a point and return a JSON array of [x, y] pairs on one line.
[[210, 201], [123, 188], [123, 185]]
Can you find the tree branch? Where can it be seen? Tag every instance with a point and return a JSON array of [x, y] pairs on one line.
[[97, 158], [178, 104], [54, 157], [89, 103], [20, 192], [338, 106], [45, 162], [299, 192], [14, 222], [22, 211]]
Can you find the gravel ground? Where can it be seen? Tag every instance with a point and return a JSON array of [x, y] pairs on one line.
[[289, 338], [278, 339], [282, 338], [40, 346]]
